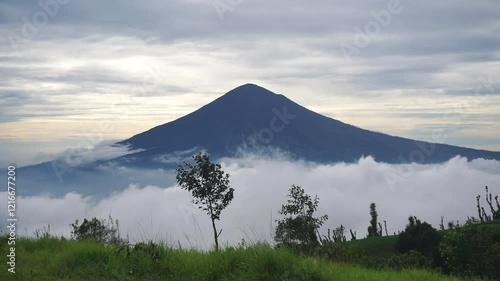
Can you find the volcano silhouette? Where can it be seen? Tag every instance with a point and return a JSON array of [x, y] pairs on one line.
[[249, 119], [254, 118]]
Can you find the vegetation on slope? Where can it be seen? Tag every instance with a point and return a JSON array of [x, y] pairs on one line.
[[52, 259]]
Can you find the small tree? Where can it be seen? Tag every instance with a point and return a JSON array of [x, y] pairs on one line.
[[209, 186], [299, 226], [373, 229]]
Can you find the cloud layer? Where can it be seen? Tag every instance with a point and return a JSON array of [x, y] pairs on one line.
[[345, 191]]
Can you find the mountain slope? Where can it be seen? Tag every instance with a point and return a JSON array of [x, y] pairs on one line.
[[254, 117]]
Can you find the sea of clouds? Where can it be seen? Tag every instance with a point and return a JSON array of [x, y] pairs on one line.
[[165, 213]]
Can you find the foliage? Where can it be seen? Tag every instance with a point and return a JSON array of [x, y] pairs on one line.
[[209, 186], [411, 260], [340, 252], [471, 250], [107, 231], [56, 259], [354, 253], [336, 235], [421, 237], [299, 226], [373, 230]]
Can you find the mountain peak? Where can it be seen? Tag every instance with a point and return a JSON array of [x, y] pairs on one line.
[[248, 86], [252, 116], [250, 89]]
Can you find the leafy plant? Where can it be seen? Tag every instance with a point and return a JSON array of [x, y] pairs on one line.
[[340, 252], [107, 231], [209, 186], [421, 237], [299, 226], [471, 250], [411, 260]]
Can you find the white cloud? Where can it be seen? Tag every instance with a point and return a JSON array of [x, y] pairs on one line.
[[102, 151], [261, 185], [177, 156]]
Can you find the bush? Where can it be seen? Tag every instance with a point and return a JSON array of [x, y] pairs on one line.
[[353, 254], [471, 250], [298, 229], [410, 260], [420, 237], [340, 252], [99, 230]]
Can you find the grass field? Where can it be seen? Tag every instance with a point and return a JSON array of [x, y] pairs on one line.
[[61, 259]]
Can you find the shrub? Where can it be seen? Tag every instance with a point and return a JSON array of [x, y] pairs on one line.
[[353, 254], [340, 252], [420, 237], [471, 250], [99, 230], [299, 227], [411, 260]]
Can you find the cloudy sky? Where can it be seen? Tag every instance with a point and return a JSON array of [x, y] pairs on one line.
[[404, 67], [78, 73]]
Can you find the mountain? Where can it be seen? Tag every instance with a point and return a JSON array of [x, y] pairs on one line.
[[256, 118], [249, 118]]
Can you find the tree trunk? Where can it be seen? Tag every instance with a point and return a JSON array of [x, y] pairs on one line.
[[216, 236]]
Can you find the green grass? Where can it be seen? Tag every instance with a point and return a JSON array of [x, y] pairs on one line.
[[377, 246], [61, 259], [494, 225]]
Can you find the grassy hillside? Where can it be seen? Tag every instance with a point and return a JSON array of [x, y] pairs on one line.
[[494, 225], [377, 246], [384, 246], [61, 259]]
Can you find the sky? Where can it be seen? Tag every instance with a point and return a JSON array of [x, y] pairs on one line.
[[405, 68], [79, 75]]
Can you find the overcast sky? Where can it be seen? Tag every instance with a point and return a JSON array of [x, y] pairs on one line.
[[405, 67]]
